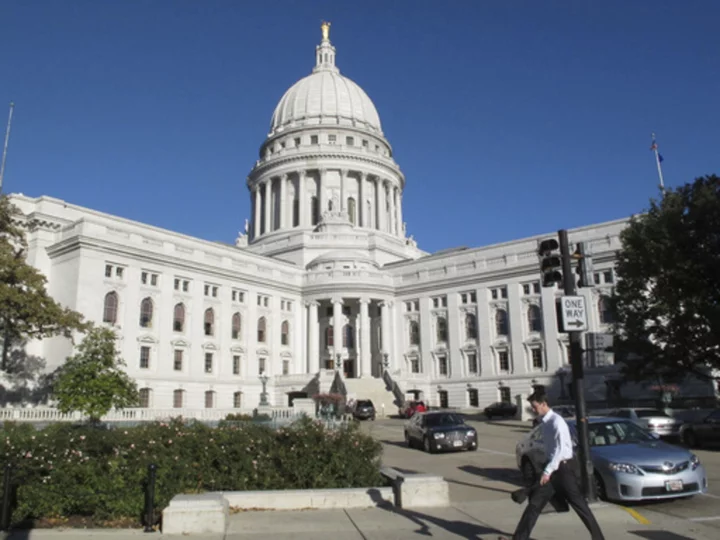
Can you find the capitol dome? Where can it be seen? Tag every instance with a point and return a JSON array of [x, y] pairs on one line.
[[325, 98]]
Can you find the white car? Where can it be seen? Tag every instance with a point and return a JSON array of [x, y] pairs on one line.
[[653, 420]]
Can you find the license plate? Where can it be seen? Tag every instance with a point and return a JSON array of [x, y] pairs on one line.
[[457, 443], [674, 485]]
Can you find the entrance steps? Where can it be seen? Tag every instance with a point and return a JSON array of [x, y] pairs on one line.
[[374, 390]]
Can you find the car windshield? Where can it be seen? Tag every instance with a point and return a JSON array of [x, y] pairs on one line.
[[610, 433], [447, 419], [364, 403], [652, 413]]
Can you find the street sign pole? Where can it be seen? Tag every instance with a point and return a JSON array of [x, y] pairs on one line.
[[576, 361]]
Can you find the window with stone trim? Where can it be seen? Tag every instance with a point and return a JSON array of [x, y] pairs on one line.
[[146, 313], [414, 333], [262, 330], [414, 364], [442, 330], [144, 398], [144, 357], [470, 326], [236, 364], [237, 400], [329, 337], [468, 298], [208, 362], [537, 358], [261, 365], [236, 326], [473, 398], [472, 361], [286, 367], [504, 361], [209, 322], [349, 337], [285, 333], [505, 396], [501, 322], [442, 365], [534, 316], [352, 210], [315, 210], [498, 292], [179, 317], [178, 398], [178, 360], [605, 310], [209, 399], [110, 308]]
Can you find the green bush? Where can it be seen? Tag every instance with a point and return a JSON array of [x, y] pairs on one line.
[[64, 470]]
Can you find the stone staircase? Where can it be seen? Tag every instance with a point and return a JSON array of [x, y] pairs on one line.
[[375, 390]]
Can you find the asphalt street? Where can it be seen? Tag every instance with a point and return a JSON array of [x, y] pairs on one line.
[[491, 473]]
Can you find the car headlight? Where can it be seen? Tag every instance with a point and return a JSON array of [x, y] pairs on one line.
[[439, 435], [694, 461], [627, 468], [470, 433]]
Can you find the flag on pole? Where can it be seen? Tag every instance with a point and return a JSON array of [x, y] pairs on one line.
[[660, 158]]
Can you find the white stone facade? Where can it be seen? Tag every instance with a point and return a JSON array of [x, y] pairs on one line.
[[324, 270]]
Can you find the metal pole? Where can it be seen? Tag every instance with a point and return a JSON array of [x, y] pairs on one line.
[[654, 147], [150, 499], [5, 518], [576, 361], [5, 147]]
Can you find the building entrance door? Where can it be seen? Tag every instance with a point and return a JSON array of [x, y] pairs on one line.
[[349, 368]]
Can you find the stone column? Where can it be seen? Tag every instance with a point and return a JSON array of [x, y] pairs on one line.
[[401, 234], [385, 326], [380, 206], [313, 337], [343, 181], [302, 200], [398, 217], [365, 367], [321, 193], [337, 304], [268, 208], [257, 192], [361, 200], [283, 201]]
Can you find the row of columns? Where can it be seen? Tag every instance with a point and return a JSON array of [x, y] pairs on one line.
[[364, 358], [386, 207]]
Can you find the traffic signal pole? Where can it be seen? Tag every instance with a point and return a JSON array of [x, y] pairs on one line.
[[576, 361]]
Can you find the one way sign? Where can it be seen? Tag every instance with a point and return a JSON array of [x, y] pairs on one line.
[[574, 314]]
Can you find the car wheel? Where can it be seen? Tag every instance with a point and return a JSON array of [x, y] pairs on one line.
[[691, 439], [408, 442], [426, 445], [600, 487], [528, 472]]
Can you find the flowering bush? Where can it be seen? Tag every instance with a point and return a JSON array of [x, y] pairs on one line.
[[67, 470]]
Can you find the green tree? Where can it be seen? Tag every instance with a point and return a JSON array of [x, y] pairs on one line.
[[93, 381], [667, 300], [27, 311]]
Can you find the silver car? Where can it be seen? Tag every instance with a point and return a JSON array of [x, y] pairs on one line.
[[630, 464], [653, 420]]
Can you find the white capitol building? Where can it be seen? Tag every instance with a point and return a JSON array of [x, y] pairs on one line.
[[324, 281]]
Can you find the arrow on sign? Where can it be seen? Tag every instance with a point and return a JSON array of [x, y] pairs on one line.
[[575, 324]]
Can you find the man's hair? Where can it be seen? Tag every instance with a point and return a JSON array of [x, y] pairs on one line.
[[538, 396]]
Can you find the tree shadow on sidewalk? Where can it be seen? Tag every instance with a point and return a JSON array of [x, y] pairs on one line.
[[501, 474], [463, 529]]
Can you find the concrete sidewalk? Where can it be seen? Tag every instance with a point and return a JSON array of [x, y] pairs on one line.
[[475, 520]]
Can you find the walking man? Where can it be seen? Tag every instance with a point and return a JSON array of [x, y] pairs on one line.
[[559, 476]]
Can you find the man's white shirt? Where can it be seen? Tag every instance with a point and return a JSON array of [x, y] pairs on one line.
[[556, 440]]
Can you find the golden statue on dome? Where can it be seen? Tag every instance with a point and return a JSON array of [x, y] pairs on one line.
[[325, 27]]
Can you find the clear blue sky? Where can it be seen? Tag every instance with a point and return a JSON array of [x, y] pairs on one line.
[[508, 118]]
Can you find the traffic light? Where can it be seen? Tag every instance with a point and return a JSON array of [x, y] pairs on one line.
[[584, 268], [550, 262]]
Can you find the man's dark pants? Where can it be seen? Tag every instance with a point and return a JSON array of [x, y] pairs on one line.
[[564, 483]]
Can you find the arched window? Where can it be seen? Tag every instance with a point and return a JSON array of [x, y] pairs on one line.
[[285, 333], [351, 209], [146, 313], [470, 326], [501, 322], [442, 329], [329, 337], [348, 337], [179, 318], [209, 322], [110, 308], [414, 333], [261, 330], [144, 397], [236, 326], [314, 210], [534, 319], [605, 310]]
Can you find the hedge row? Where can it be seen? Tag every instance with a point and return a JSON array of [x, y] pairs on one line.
[[65, 471]]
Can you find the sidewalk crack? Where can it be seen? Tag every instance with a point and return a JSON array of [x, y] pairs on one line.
[[355, 524]]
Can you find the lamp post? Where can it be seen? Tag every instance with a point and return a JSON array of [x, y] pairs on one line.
[[338, 360], [386, 362], [263, 396]]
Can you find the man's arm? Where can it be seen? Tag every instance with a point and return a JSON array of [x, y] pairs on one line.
[[554, 456]]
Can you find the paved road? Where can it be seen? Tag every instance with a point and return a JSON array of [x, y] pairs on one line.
[[491, 473]]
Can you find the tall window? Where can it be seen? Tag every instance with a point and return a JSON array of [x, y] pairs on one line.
[[505, 395], [110, 308], [348, 337], [144, 357], [285, 333], [472, 363], [236, 364], [179, 318], [296, 211], [414, 333], [534, 319], [501, 322], [209, 399], [208, 362], [178, 360], [537, 358], [209, 322], [315, 210], [605, 310], [178, 398], [441, 329], [504, 361], [144, 395], [261, 330], [146, 313], [329, 337], [236, 326], [470, 326], [351, 210], [442, 365], [237, 400]]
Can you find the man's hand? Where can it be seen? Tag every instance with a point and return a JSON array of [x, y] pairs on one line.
[[544, 479]]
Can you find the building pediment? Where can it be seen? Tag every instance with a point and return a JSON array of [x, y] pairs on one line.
[[209, 346], [180, 343], [237, 349], [147, 338]]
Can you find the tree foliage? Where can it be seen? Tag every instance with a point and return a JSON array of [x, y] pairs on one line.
[[667, 300], [93, 381], [27, 311]]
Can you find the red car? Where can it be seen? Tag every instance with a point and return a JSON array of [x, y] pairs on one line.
[[411, 408]]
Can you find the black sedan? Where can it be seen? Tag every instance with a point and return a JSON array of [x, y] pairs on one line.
[[439, 430], [501, 409]]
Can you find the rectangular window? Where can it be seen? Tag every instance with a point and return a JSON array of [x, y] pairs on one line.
[[536, 287], [505, 395], [350, 141], [332, 139], [236, 364], [365, 144], [286, 367], [261, 366], [297, 142], [206, 290], [596, 278], [119, 272], [237, 400], [504, 361], [178, 360], [415, 364], [214, 292], [209, 399], [144, 278], [178, 400], [608, 276], [436, 302], [176, 284], [503, 292], [144, 357], [108, 270], [537, 359], [186, 286], [473, 400], [313, 139], [144, 395], [442, 365], [208, 362], [526, 289], [153, 280], [472, 363]]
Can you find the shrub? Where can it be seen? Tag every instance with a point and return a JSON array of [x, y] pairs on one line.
[[65, 470]]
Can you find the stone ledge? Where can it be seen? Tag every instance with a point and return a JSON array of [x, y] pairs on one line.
[[415, 490], [310, 498], [196, 514]]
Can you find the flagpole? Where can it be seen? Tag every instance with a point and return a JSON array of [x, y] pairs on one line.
[[654, 148], [5, 147]]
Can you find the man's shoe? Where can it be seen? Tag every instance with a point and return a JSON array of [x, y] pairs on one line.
[[520, 495]]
